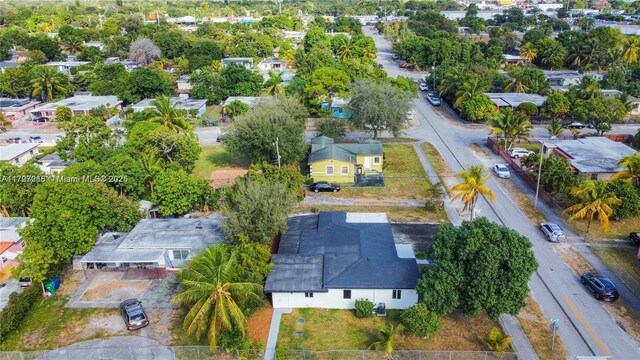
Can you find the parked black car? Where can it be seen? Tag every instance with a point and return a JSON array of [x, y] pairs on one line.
[[323, 186], [635, 238], [574, 125], [133, 314], [600, 286]]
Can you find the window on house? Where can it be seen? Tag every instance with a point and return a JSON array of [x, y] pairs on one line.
[[344, 170], [180, 254], [308, 295], [346, 294], [397, 294], [376, 160], [329, 169]]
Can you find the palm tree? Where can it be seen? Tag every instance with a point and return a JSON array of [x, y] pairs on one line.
[[630, 49], [585, 23], [273, 86], [168, 114], [74, 45], [450, 81], [47, 81], [631, 165], [588, 88], [497, 341], [511, 126], [595, 199], [555, 128], [213, 295], [216, 66], [388, 337], [345, 50], [151, 166], [515, 83], [473, 184], [529, 51], [472, 86]]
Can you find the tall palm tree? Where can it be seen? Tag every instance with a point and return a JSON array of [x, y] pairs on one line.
[[595, 200], [47, 81], [555, 128], [515, 82], [151, 165], [631, 165], [473, 185], [168, 114], [529, 51], [74, 45], [388, 337], [630, 49], [472, 86], [588, 88], [450, 81], [273, 86], [511, 126], [213, 295], [345, 50]]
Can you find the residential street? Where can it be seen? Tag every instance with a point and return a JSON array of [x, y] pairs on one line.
[[586, 328]]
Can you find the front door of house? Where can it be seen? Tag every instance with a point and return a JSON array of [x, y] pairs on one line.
[[367, 163]]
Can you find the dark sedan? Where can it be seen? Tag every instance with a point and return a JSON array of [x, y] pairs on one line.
[[635, 238], [133, 314], [574, 125], [600, 286], [323, 186]]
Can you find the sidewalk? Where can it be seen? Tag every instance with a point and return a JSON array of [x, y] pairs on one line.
[[274, 328]]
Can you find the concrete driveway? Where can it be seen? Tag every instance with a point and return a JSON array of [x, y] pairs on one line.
[[10, 287]]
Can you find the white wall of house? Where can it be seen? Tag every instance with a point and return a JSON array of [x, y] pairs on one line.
[[334, 299]]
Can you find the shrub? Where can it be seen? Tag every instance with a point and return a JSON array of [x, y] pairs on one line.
[[527, 108], [364, 308], [497, 341], [16, 309], [421, 321], [630, 197], [333, 128]]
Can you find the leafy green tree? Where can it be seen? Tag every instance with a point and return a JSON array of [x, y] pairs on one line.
[[203, 53], [36, 262], [601, 112], [557, 175], [481, 266], [125, 175], [255, 133], [50, 47], [325, 83], [315, 36], [421, 321], [146, 83], [63, 114], [388, 338], [595, 199], [253, 260], [176, 192], [16, 196], [213, 292], [511, 125], [236, 108], [48, 83], [478, 108], [169, 146], [288, 175], [240, 81], [551, 54], [207, 84], [629, 197], [257, 210], [87, 138], [68, 216], [333, 128], [556, 104], [16, 81], [473, 185], [377, 107]]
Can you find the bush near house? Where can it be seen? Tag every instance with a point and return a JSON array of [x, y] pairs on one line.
[[18, 306], [421, 321], [364, 308]]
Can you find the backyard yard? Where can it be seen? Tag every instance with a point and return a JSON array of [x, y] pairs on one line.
[[215, 158], [323, 329]]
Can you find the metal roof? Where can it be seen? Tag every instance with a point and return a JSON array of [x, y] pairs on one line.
[[327, 251], [593, 154], [324, 148], [81, 102], [11, 151], [183, 103], [515, 99]]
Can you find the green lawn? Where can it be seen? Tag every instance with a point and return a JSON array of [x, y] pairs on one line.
[[324, 329], [622, 262], [618, 229], [401, 159], [214, 158], [50, 325]]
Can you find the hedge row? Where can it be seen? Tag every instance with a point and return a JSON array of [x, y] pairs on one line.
[[17, 308]]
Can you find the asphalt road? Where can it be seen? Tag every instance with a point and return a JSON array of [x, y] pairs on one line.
[[586, 328]]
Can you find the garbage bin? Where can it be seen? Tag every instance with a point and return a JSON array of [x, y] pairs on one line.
[[50, 287], [214, 122], [56, 282]]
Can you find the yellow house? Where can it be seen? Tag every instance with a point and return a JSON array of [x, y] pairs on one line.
[[340, 163]]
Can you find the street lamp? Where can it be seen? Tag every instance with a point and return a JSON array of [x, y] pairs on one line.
[[535, 203], [433, 74]]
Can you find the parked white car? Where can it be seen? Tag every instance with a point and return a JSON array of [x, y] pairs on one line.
[[424, 87], [517, 153], [502, 171]]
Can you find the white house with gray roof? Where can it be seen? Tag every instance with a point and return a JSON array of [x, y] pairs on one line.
[[18, 154], [331, 259], [182, 102], [163, 243]]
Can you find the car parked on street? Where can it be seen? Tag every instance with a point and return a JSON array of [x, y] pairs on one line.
[[14, 140], [323, 186], [502, 171], [433, 99], [133, 314], [553, 232], [600, 286], [517, 153], [635, 238], [424, 87], [574, 125], [24, 282], [36, 139]]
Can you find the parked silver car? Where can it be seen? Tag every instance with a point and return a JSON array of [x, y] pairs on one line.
[[553, 232], [502, 171], [517, 153]]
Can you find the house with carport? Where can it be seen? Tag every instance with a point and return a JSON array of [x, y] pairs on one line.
[[342, 162], [331, 259]]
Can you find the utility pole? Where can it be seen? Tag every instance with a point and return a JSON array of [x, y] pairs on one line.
[[535, 203], [277, 150], [434, 78]]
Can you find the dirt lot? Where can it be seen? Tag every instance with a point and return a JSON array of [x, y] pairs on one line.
[[108, 287]]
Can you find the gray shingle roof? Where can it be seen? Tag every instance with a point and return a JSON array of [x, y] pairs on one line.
[[324, 148], [325, 251]]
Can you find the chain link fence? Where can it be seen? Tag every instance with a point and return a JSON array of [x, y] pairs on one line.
[[396, 355]]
